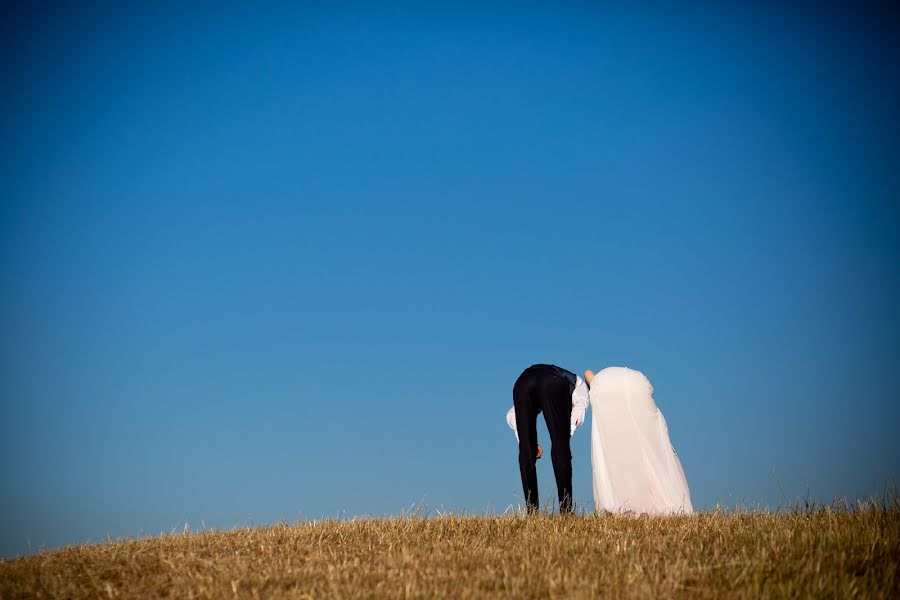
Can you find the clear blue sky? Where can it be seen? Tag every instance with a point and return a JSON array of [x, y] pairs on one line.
[[283, 263]]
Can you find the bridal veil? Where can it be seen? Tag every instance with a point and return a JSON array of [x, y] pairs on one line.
[[634, 465]]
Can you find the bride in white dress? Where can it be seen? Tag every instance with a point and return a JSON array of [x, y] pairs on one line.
[[634, 465]]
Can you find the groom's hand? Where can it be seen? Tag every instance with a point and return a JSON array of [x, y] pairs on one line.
[[540, 452], [577, 419]]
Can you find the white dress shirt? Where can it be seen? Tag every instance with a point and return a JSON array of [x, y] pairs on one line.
[[581, 399]]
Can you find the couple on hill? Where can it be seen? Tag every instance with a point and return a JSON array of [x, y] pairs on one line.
[[634, 465]]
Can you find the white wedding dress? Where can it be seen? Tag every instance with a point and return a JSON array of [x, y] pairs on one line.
[[634, 465]]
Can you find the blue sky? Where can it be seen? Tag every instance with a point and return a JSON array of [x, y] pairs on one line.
[[262, 264]]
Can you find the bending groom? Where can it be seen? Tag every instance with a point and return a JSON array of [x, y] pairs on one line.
[[563, 398]]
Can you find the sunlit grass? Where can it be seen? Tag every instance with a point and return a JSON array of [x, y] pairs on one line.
[[833, 551]]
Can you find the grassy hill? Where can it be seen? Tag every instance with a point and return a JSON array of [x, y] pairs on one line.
[[822, 552]]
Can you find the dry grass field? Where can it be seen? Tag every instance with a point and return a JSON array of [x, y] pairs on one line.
[[818, 552]]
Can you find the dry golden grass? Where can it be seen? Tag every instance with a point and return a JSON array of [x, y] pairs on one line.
[[821, 552]]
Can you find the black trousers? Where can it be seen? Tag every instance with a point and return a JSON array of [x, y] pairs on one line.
[[540, 388]]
